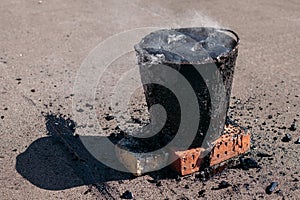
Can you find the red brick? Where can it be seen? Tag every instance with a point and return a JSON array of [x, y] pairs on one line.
[[234, 142]]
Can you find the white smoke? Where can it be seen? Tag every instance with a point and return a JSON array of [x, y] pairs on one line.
[[195, 18]]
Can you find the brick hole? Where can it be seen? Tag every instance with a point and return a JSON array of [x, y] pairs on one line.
[[193, 166], [218, 155], [225, 152]]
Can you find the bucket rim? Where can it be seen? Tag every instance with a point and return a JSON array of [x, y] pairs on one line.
[[219, 58]]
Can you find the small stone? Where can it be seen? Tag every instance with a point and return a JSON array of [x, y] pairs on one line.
[[87, 191], [263, 154], [109, 117], [158, 184], [270, 116], [278, 192], [247, 163], [127, 195], [270, 189], [246, 186], [187, 187], [287, 138], [2, 117], [293, 126], [298, 141], [80, 110], [32, 90], [201, 193], [223, 184]]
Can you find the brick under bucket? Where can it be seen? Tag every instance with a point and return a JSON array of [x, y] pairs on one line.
[[188, 72]]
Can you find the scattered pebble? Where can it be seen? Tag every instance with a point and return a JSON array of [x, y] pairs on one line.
[[287, 138], [109, 117], [247, 163], [80, 110], [246, 186], [201, 193], [279, 192], [298, 141], [2, 117], [270, 116], [270, 189], [127, 195], [32, 90], [224, 184], [262, 154], [158, 184], [87, 191], [293, 126]]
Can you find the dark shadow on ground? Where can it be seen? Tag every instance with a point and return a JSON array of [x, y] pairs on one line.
[[60, 160]]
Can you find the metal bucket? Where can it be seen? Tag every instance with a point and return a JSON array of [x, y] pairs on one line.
[[197, 55]]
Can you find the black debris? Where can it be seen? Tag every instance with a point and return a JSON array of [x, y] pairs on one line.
[[298, 141], [247, 163], [270, 116], [293, 126], [263, 154], [270, 189], [87, 191], [127, 195], [158, 184], [246, 186], [287, 138], [89, 106], [136, 120], [201, 193], [32, 90], [80, 110], [109, 117], [223, 184]]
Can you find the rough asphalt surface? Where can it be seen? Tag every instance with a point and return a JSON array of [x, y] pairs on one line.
[[43, 44]]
